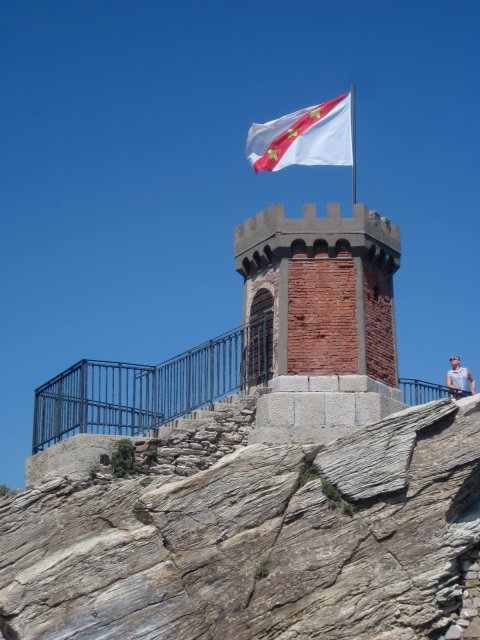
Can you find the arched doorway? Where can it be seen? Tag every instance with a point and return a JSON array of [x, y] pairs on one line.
[[260, 339]]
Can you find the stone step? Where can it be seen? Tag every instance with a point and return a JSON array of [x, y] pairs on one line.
[[185, 423], [239, 402], [202, 414], [234, 404], [220, 407]]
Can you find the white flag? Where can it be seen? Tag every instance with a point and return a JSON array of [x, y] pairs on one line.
[[311, 136]]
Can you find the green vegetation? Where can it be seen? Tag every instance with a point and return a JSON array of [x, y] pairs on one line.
[[123, 460], [151, 454], [349, 509], [335, 496], [94, 472], [146, 481], [262, 570], [4, 490], [331, 491], [308, 474]]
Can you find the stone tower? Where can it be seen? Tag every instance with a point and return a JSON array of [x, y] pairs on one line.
[[329, 284]]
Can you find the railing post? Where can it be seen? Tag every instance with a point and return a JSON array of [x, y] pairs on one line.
[[211, 374], [58, 411], [83, 397], [265, 350], [156, 412], [120, 424], [243, 359], [188, 375], [35, 438]]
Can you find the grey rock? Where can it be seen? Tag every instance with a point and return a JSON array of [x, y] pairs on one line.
[[181, 557], [454, 632], [375, 460]]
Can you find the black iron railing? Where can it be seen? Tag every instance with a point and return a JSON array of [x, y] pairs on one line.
[[94, 397], [113, 398], [420, 392]]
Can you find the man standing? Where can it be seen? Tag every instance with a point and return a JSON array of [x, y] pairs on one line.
[[460, 379]]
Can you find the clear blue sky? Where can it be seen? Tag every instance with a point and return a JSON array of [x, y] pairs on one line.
[[123, 127]]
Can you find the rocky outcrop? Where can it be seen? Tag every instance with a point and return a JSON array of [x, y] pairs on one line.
[[245, 550]]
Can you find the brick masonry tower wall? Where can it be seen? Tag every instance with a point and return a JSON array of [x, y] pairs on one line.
[[332, 286], [380, 343], [322, 322]]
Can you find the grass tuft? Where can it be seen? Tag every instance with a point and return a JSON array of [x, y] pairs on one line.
[[308, 474], [331, 491], [94, 471], [262, 571]]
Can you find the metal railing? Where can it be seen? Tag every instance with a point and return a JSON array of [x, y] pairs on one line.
[[114, 398], [420, 392]]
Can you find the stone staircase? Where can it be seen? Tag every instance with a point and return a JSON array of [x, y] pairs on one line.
[[195, 442]]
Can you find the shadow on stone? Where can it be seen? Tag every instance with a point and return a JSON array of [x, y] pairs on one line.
[[465, 506]]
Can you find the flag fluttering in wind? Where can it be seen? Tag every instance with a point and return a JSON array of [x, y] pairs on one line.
[[311, 136]]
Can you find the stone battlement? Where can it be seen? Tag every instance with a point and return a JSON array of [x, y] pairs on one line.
[[268, 236]]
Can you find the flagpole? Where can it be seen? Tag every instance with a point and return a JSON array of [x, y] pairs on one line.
[[354, 144]]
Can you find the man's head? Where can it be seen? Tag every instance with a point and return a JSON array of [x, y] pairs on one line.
[[455, 360]]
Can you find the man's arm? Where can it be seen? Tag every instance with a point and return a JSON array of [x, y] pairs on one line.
[[472, 381]]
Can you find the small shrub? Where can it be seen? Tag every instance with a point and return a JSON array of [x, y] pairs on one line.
[[308, 474], [152, 454], [4, 490], [123, 460], [146, 481], [262, 571], [349, 509], [331, 491], [94, 471]]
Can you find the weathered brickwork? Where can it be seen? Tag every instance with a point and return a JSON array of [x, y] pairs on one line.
[[267, 279], [379, 325], [328, 318], [322, 324]]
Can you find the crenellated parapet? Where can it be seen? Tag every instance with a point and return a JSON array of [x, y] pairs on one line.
[[269, 237]]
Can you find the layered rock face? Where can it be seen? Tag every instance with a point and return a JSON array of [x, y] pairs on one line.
[[245, 550]]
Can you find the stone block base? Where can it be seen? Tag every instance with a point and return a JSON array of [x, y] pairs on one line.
[[73, 457], [321, 408]]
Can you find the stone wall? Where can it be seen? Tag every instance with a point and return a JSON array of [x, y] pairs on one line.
[[187, 446], [321, 408], [196, 444], [463, 607]]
